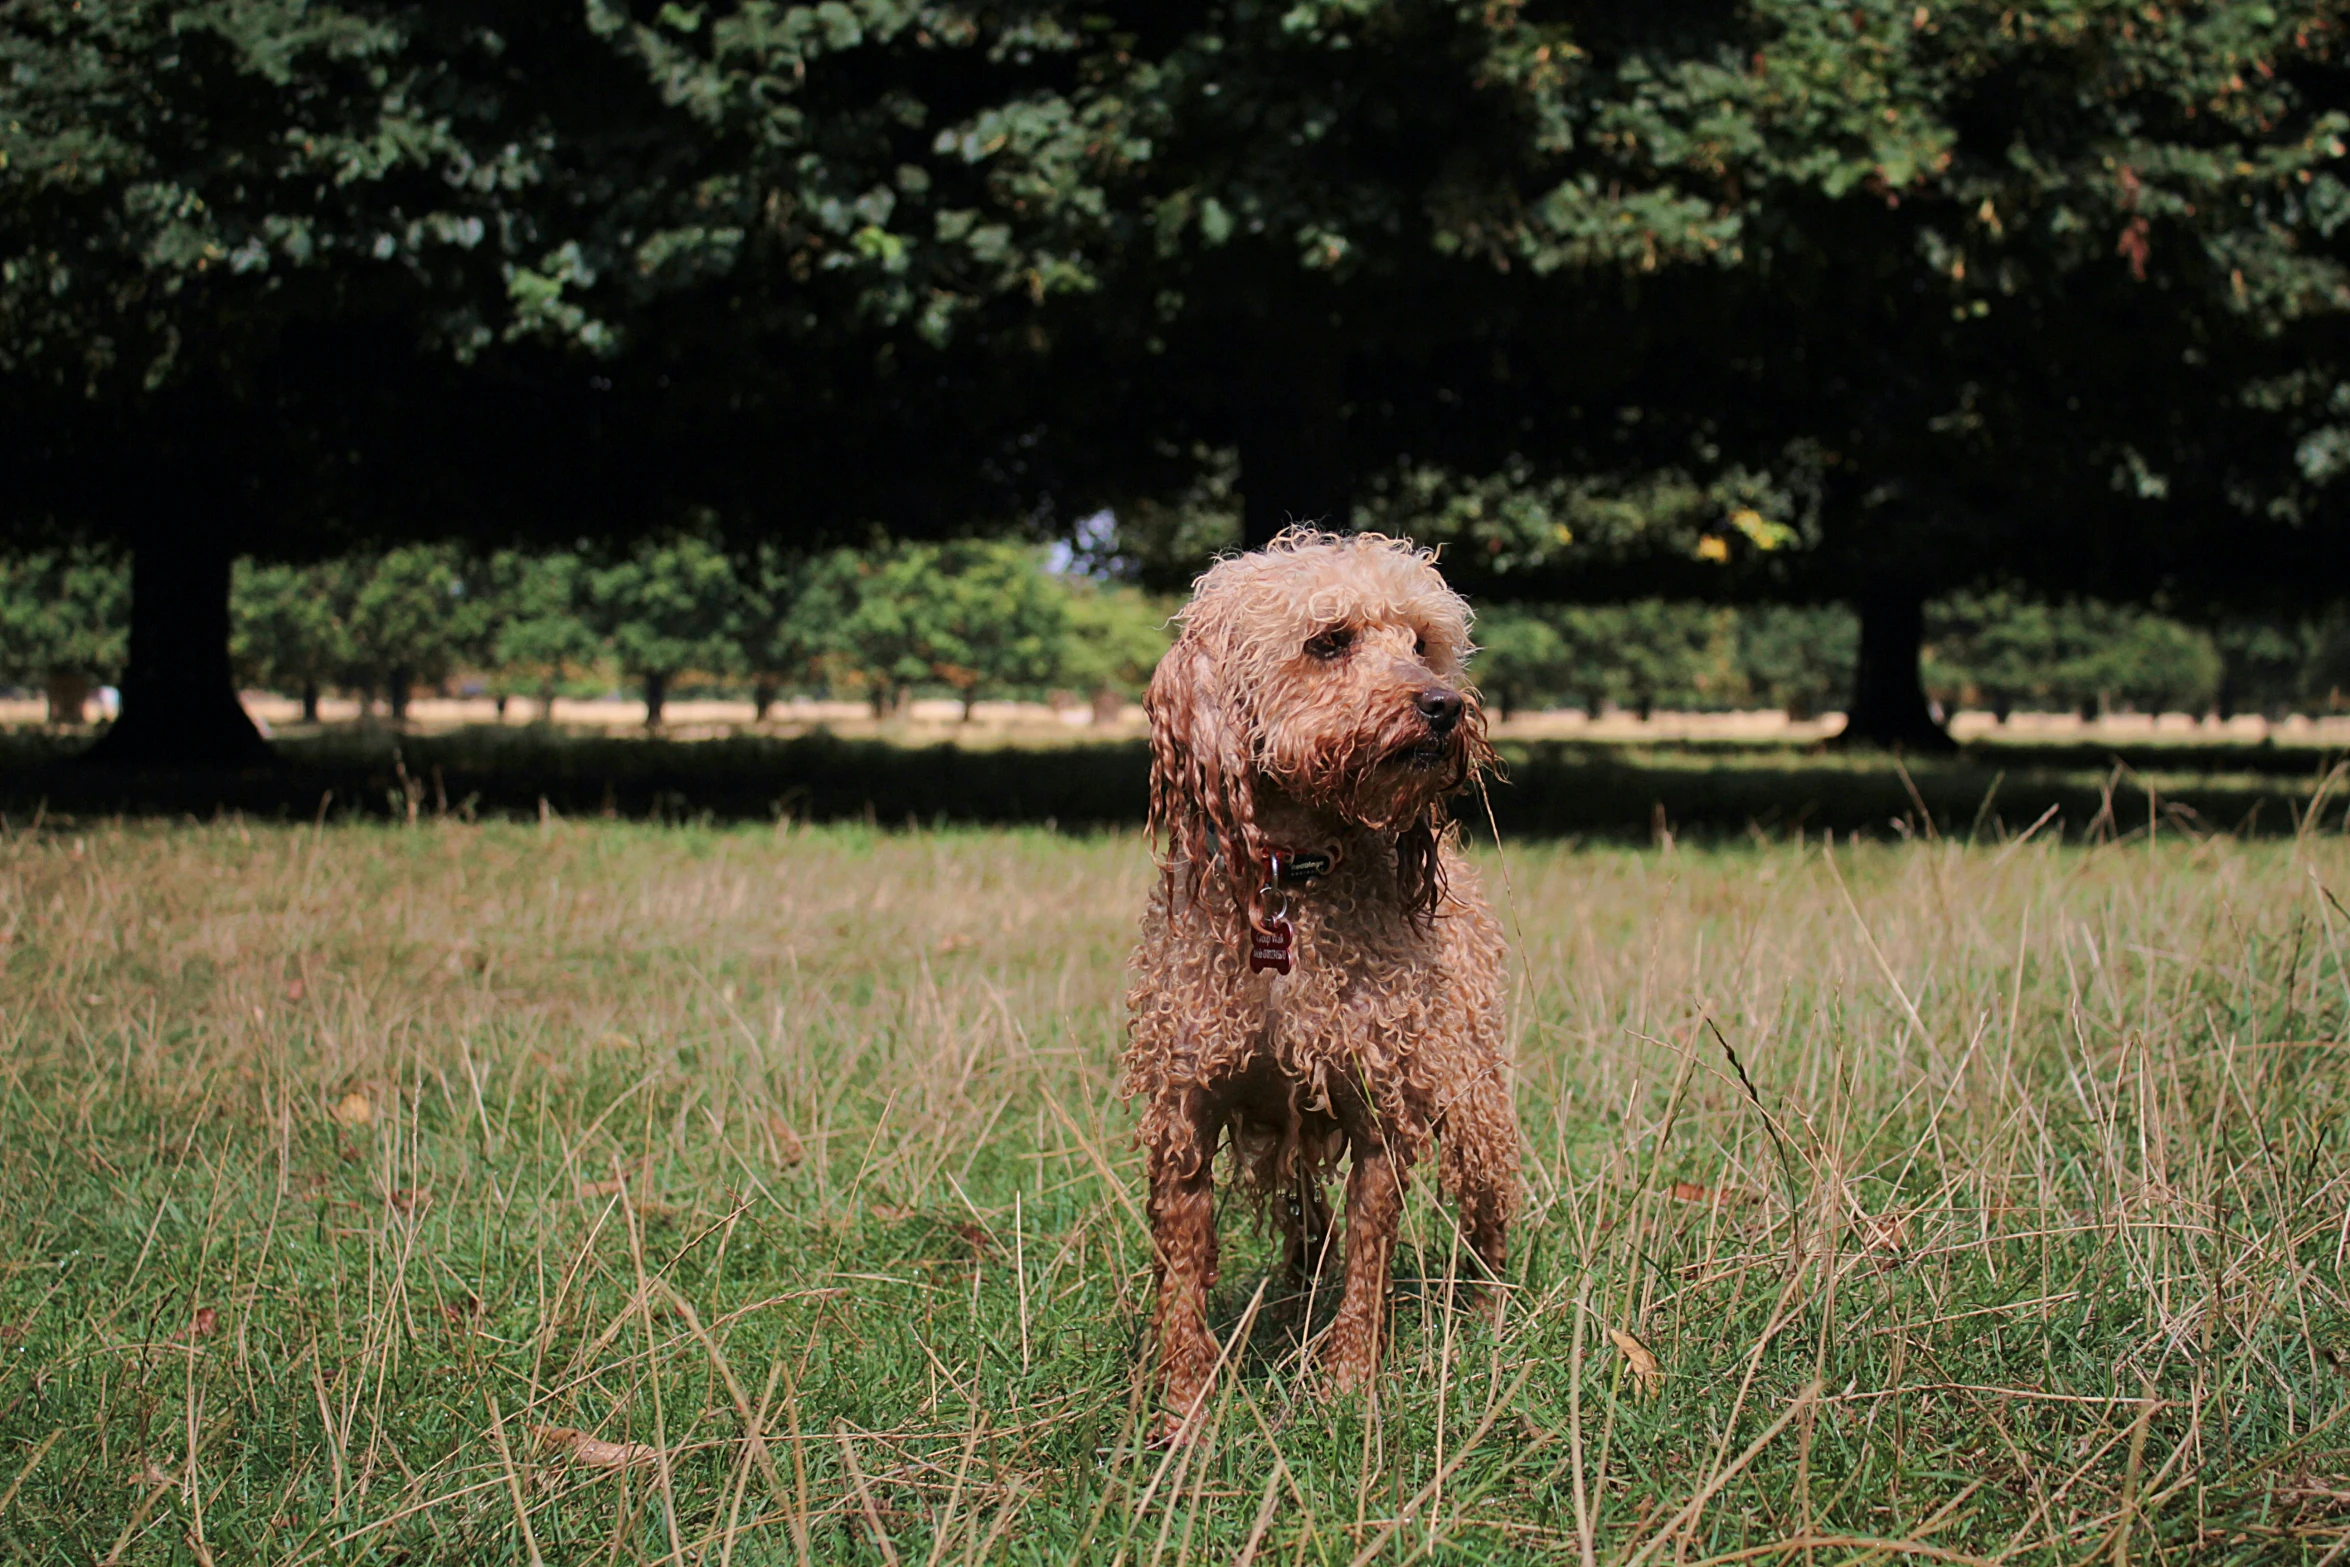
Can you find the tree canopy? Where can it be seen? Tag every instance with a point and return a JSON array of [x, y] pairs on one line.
[[1768, 302]]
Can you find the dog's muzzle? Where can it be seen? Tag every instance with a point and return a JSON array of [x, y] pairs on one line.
[[1440, 708]]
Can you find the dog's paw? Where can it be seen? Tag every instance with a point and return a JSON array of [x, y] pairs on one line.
[[1174, 1431]]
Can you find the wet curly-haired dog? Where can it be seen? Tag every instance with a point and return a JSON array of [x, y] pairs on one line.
[[1319, 975]]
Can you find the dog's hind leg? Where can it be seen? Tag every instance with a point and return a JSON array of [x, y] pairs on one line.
[[1179, 1133], [1374, 1209]]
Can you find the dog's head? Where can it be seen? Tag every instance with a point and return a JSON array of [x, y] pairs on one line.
[[1331, 667]]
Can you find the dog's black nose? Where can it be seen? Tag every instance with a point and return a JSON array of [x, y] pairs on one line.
[[1441, 707]]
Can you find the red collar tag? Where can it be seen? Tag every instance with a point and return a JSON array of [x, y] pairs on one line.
[[1269, 944], [1272, 939]]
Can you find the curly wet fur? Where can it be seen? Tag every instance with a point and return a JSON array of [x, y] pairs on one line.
[[1387, 1034]]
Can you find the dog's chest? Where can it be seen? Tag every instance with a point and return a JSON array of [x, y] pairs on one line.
[[1356, 963]]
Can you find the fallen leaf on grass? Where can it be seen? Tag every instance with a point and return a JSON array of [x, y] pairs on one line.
[[582, 1448], [202, 1324], [631, 1184], [957, 943], [1884, 1232], [1719, 1196], [296, 990], [976, 1237], [1645, 1371], [789, 1150], [352, 1110], [407, 1198], [632, 1175]]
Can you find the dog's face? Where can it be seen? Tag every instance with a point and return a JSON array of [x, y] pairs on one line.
[[1357, 697], [1330, 666]]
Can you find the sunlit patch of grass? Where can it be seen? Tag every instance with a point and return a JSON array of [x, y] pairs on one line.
[[594, 1192]]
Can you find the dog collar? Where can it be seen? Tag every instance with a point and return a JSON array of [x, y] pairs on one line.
[[1298, 867], [1271, 937]]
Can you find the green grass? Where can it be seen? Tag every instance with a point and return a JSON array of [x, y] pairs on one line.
[[794, 1159]]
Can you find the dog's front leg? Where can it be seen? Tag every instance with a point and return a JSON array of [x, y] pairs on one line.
[[1374, 1209], [1478, 1165], [1179, 1133]]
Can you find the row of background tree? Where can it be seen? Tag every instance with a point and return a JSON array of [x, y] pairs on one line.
[[1772, 301], [996, 619]]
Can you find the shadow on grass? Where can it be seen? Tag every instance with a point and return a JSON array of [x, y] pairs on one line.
[[1549, 788]]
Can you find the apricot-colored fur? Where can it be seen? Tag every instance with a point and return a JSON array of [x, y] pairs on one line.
[[1267, 734]]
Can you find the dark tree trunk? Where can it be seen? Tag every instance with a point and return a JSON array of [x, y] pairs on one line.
[[501, 707], [310, 701], [656, 698], [2001, 706], [69, 697], [762, 698], [396, 692], [1291, 414], [179, 700], [1888, 701]]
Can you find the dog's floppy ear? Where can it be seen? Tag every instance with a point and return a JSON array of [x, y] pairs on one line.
[[1203, 781]]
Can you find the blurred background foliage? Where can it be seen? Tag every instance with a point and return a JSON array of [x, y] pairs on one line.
[[976, 620]]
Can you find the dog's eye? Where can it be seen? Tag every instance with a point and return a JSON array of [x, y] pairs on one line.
[[1420, 645], [1330, 644]]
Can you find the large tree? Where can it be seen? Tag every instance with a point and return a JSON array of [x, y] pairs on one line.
[[192, 203], [2012, 295], [277, 278]]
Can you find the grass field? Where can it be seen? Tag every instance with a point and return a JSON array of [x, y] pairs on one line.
[[606, 1193]]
